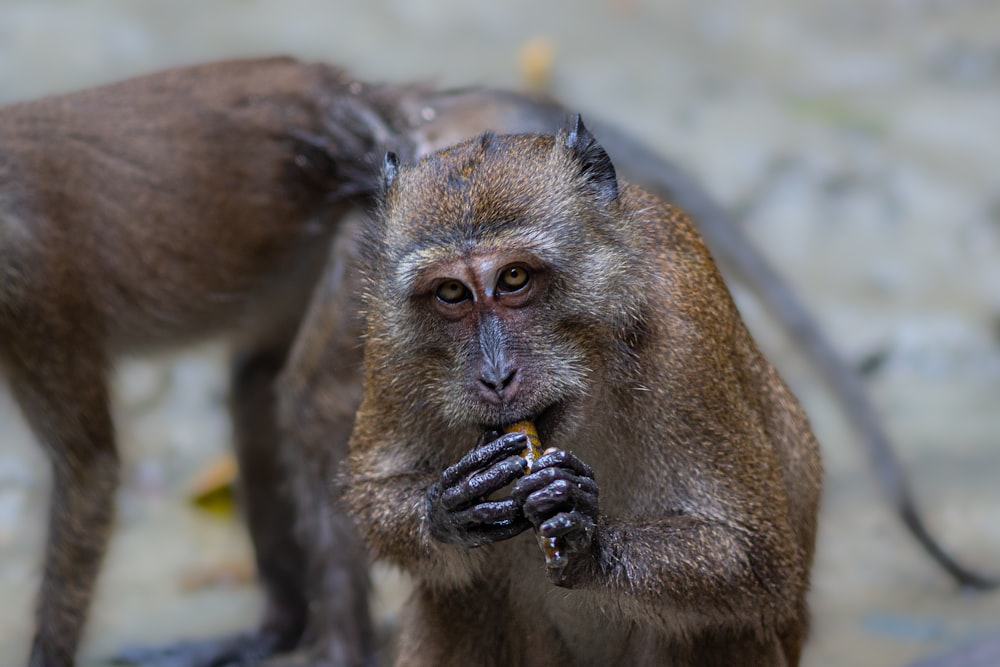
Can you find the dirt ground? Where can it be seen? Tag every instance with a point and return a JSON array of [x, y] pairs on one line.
[[857, 141]]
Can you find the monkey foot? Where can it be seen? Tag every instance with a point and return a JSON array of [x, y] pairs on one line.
[[249, 648]]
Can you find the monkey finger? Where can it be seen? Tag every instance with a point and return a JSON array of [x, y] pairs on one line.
[[483, 455], [560, 496], [560, 458], [574, 527], [487, 437], [497, 532], [539, 479], [490, 512], [482, 484]]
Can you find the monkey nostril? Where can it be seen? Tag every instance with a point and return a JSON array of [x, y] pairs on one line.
[[508, 379], [499, 381]]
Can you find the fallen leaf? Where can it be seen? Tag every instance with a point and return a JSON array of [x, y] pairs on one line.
[[213, 489]]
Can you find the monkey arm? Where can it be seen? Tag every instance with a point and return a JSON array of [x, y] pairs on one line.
[[663, 565], [715, 570], [399, 509], [658, 567]]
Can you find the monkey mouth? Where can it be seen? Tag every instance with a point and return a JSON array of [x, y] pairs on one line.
[[546, 421]]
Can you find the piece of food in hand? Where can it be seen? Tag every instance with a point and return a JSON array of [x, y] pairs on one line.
[[554, 556], [534, 448]]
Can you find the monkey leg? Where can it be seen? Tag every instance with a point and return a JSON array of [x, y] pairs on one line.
[[319, 393], [61, 386], [339, 632], [267, 502]]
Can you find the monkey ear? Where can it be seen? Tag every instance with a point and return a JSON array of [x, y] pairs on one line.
[[595, 165], [390, 167]]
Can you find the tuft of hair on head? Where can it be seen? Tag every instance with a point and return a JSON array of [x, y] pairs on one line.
[[390, 168], [595, 165], [485, 139]]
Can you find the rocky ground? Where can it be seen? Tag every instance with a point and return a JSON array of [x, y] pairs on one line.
[[857, 141]]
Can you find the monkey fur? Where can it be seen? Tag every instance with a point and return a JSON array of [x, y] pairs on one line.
[[512, 278]]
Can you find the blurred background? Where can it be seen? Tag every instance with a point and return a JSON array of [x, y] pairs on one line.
[[859, 144]]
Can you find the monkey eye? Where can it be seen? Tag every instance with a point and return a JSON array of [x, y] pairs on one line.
[[452, 291], [513, 278]]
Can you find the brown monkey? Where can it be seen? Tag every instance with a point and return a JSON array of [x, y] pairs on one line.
[[513, 278], [175, 206], [444, 117]]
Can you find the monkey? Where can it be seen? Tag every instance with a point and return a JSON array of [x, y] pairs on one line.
[[427, 119], [443, 117], [150, 213], [513, 277]]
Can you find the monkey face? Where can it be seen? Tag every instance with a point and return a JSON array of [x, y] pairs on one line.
[[493, 285], [500, 358]]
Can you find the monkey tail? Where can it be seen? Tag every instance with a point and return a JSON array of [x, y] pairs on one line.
[[731, 246], [7, 271]]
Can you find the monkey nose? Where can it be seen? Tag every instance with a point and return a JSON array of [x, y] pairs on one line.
[[498, 383]]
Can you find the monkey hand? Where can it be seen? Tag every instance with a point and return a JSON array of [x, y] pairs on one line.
[[458, 511], [559, 497]]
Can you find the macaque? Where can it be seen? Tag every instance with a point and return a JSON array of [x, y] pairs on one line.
[[445, 117], [169, 208], [513, 278]]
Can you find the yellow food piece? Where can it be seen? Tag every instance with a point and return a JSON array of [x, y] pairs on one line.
[[534, 448], [550, 545]]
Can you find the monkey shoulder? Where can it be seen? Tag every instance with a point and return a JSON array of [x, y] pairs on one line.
[[675, 254]]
